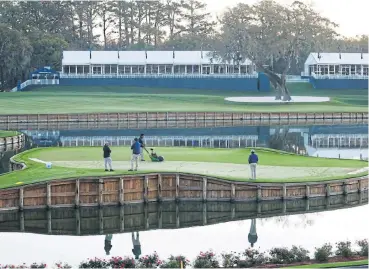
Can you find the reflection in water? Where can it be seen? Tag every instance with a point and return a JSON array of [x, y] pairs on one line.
[[345, 141], [136, 245], [253, 237], [108, 245]]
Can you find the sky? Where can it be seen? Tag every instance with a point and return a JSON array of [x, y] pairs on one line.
[[351, 15]]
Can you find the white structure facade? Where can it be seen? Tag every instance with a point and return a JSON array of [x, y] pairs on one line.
[[336, 64], [149, 62]]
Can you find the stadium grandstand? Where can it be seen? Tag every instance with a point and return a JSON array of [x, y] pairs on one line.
[[337, 70], [150, 62]]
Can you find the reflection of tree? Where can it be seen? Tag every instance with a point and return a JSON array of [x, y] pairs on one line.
[[283, 140], [136, 245], [303, 220], [107, 243]]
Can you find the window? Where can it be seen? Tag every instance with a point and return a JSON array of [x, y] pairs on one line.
[[182, 69], [107, 69], [120, 69], [113, 69], [161, 69], [358, 69], [353, 69], [141, 69], [345, 70], [155, 68], [79, 69], [196, 69], [331, 69], [134, 69], [168, 69], [86, 69], [127, 69], [176, 69], [243, 69], [365, 70], [236, 69], [189, 69], [149, 68], [72, 69]]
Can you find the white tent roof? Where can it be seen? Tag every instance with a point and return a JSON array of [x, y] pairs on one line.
[[139, 57], [334, 58]]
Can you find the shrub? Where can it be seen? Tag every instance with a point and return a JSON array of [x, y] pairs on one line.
[[94, 263], [363, 244], [253, 257], [11, 266], [175, 262], [36, 265], [323, 253], [299, 254], [230, 260], [149, 261], [344, 249], [119, 262], [280, 256], [206, 260], [62, 265]]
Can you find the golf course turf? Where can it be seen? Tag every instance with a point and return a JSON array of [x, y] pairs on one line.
[[7, 133], [73, 99], [332, 265], [279, 167]]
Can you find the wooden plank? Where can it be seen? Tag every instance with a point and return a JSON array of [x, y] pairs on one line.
[[327, 190], [284, 195], [258, 195], [121, 218], [307, 191], [146, 188], [121, 191], [204, 214], [101, 190], [204, 188], [76, 198], [21, 198], [233, 191], [48, 195], [177, 186], [159, 187]]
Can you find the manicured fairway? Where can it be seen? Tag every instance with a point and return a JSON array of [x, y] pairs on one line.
[[70, 99], [7, 133], [274, 166]]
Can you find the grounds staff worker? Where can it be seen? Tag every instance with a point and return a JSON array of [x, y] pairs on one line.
[[253, 161], [142, 142]]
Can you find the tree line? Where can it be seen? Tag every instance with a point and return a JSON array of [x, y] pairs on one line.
[[34, 34]]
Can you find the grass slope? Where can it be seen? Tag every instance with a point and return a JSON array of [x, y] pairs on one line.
[[68, 99], [36, 172], [333, 265], [8, 133]]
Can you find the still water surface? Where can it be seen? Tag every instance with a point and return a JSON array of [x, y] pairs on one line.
[[307, 230]]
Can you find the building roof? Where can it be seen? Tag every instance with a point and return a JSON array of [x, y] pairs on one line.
[[334, 58], [139, 57]]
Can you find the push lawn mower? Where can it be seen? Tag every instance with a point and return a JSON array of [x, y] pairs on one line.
[[154, 157]]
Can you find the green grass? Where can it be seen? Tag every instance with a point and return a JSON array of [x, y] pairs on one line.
[[36, 172], [7, 133], [68, 99], [333, 265]]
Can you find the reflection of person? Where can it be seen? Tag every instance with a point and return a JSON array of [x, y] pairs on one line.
[[253, 236], [136, 245], [108, 245], [107, 158], [253, 161]]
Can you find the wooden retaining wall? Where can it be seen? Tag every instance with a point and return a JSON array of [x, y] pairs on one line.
[[178, 116], [166, 215], [120, 190], [76, 125], [17, 139]]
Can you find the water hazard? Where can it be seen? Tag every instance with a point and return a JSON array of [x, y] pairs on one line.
[[72, 235]]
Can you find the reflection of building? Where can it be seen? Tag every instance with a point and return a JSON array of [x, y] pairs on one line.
[[44, 138], [253, 236]]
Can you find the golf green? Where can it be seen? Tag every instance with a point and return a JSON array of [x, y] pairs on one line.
[[7, 133], [274, 166], [70, 99]]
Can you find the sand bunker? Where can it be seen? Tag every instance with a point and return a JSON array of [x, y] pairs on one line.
[[216, 169], [271, 99]]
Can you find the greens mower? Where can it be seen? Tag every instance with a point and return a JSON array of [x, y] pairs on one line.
[[154, 157]]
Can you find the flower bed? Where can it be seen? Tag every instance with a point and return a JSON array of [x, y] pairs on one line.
[[275, 257]]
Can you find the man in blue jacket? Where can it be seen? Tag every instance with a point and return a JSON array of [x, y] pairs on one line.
[[253, 161], [136, 147]]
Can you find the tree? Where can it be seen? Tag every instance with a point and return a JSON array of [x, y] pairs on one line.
[[15, 55], [273, 36]]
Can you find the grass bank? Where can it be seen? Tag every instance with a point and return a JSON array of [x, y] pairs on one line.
[[332, 265], [70, 99], [36, 172], [7, 133]]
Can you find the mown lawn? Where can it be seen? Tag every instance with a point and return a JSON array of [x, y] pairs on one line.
[[36, 172], [333, 265], [68, 99], [8, 133]]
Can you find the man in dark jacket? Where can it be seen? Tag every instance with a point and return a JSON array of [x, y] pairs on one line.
[[107, 158], [253, 161], [142, 142], [136, 147]]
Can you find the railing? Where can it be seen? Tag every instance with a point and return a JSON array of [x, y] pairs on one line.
[[339, 76], [36, 82], [142, 75], [23, 85]]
